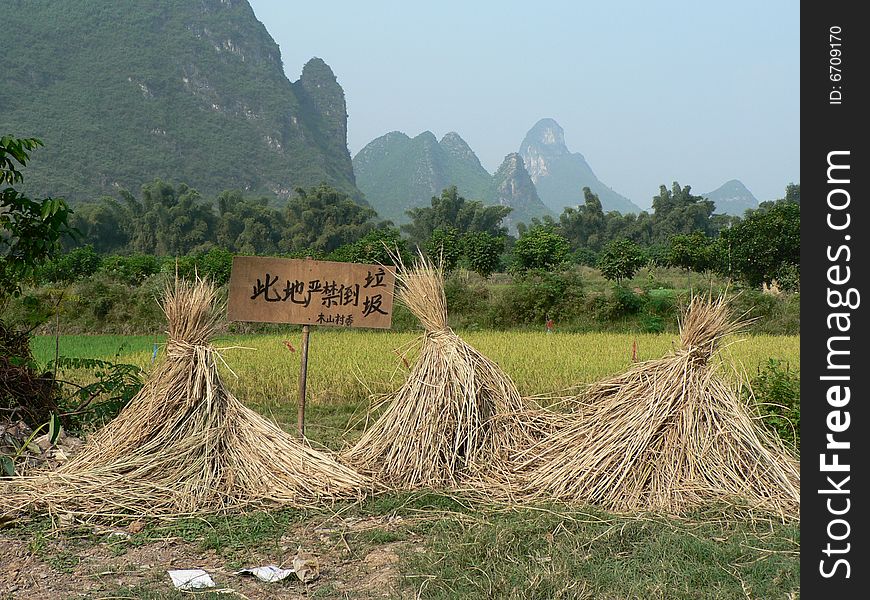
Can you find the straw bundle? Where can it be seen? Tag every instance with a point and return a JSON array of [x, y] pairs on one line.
[[184, 444], [667, 435], [457, 413]]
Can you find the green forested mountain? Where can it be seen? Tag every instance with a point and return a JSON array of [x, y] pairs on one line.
[[126, 91], [464, 167], [397, 173], [561, 175], [732, 198], [512, 186]]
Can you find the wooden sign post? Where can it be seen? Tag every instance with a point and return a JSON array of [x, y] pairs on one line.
[[310, 292], [303, 377]]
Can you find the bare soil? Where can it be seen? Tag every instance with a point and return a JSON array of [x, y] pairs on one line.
[[104, 563]]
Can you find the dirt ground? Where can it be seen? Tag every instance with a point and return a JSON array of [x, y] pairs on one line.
[[104, 564]]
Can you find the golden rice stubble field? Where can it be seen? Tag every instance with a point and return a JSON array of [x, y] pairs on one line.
[[347, 368]]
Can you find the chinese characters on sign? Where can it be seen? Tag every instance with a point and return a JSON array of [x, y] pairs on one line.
[[278, 290]]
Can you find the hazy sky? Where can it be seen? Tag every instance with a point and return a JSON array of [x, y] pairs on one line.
[[648, 92]]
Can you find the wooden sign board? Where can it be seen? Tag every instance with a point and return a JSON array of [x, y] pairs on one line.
[[311, 292]]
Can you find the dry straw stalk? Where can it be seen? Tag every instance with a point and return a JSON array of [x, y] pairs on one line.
[[456, 416], [668, 435], [185, 444]]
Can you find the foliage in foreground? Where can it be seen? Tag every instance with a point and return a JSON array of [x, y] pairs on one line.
[[777, 391], [24, 392], [29, 228]]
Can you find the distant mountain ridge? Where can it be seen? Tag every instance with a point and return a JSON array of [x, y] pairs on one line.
[[732, 198], [397, 172], [512, 186], [127, 91], [560, 175]]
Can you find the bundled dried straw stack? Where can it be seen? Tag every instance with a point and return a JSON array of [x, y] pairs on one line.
[[184, 444], [668, 435], [456, 417]]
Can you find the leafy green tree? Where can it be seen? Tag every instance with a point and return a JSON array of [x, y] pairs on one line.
[[378, 246], [168, 220], [692, 252], [445, 245], [766, 244], [585, 226], [104, 225], [545, 221], [719, 223], [620, 260], [322, 218], [74, 265], [248, 225], [452, 210], [793, 193], [638, 228], [540, 247], [30, 230], [677, 211], [481, 252], [30, 233]]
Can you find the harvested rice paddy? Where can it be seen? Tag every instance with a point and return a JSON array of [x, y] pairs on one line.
[[345, 365]]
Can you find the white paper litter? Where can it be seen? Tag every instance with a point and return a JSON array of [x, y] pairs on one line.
[[269, 573], [190, 579]]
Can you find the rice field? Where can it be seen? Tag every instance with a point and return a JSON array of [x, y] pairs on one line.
[[347, 366]]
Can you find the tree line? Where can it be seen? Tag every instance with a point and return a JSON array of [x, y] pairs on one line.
[[761, 247], [682, 231], [167, 220]]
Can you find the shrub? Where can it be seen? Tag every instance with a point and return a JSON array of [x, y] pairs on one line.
[[96, 403], [584, 256], [101, 304], [375, 247], [620, 303], [463, 296], [651, 323], [535, 296], [777, 392], [74, 265], [214, 265], [774, 315], [24, 392], [133, 269], [467, 300], [661, 302], [789, 278]]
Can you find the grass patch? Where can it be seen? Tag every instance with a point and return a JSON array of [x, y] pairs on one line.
[[227, 535], [95, 346], [63, 561], [452, 547], [564, 554]]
